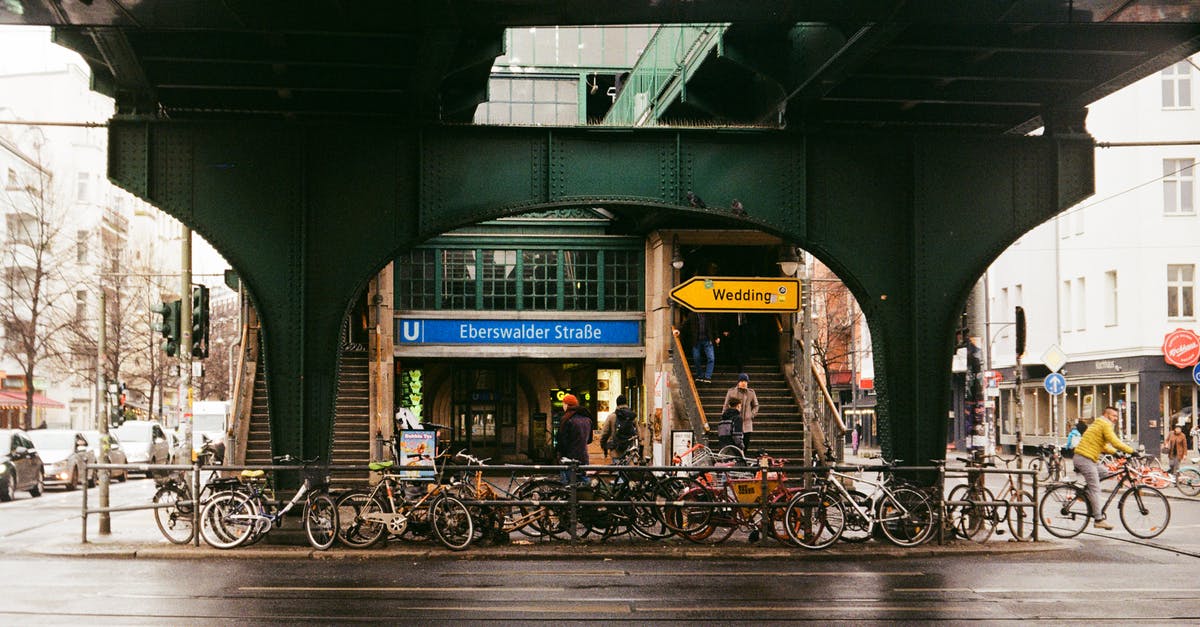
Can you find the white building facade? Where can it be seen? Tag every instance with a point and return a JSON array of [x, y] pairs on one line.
[[1108, 279]]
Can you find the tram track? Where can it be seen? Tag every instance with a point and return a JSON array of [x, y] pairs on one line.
[[1146, 543]]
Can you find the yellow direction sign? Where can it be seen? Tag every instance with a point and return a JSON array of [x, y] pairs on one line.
[[732, 294]]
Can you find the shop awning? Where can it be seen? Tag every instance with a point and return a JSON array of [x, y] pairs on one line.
[[16, 400]]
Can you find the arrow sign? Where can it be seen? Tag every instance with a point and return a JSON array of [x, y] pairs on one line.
[[731, 294], [1055, 384]]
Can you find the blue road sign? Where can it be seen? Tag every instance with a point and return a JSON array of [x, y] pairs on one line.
[[1196, 374], [1055, 384]]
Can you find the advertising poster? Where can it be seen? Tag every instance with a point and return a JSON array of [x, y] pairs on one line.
[[417, 452], [681, 441]]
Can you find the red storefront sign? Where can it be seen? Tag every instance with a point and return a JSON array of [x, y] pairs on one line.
[[1181, 348]]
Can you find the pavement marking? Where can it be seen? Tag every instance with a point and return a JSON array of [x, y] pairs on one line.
[[684, 573], [1173, 590], [394, 589]]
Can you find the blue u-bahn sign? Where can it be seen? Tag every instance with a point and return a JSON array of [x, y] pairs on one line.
[[518, 332]]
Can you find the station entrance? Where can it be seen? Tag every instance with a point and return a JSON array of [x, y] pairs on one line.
[[508, 410]]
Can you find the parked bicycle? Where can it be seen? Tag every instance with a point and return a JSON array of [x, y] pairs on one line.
[[984, 512], [1049, 463], [1144, 511], [816, 518], [175, 506], [238, 518], [395, 505]]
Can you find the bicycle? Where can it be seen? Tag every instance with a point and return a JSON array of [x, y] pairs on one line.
[[1144, 511], [1049, 463], [816, 518], [175, 506], [984, 511], [237, 518], [366, 515], [535, 521], [739, 485]]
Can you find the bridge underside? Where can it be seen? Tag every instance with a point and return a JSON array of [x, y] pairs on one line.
[[304, 140], [307, 214]]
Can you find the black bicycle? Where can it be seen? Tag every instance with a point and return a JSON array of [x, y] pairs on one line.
[[1145, 512]]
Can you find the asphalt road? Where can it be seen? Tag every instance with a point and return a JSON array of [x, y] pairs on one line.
[[1100, 577]]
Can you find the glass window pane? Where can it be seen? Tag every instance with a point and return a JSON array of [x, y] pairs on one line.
[[568, 45], [521, 114], [545, 115], [521, 52], [545, 46], [1168, 92], [522, 90], [543, 90]]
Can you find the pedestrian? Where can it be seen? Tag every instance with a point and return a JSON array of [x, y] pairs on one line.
[[749, 406], [729, 430], [743, 340], [1177, 449], [1068, 449], [620, 429], [1087, 458], [856, 438], [704, 342], [574, 432]]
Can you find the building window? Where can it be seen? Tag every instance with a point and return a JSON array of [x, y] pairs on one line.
[[1178, 186], [81, 246], [81, 187], [1181, 289], [1004, 310], [1177, 86], [80, 305], [1064, 302], [507, 279], [12, 182], [1110, 298], [1080, 306], [1018, 296]]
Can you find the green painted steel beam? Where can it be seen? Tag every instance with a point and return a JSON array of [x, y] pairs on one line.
[[307, 214]]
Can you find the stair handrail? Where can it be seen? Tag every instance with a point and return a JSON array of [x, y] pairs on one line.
[[691, 397]]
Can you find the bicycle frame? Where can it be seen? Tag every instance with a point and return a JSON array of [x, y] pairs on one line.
[[848, 499], [263, 519]]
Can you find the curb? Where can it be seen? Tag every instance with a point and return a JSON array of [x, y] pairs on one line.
[[528, 552]]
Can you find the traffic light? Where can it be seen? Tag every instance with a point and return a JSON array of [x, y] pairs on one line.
[[169, 327], [200, 321]]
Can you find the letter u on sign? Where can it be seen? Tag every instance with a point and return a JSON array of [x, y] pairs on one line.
[[410, 330]]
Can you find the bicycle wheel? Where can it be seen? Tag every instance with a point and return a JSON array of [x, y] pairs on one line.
[[647, 522], [976, 521], [1187, 480], [355, 530], [320, 521], [683, 514], [451, 522], [905, 517], [1145, 512], [174, 514], [1042, 468], [1020, 516], [1064, 510], [814, 520], [552, 520], [859, 526], [228, 520]]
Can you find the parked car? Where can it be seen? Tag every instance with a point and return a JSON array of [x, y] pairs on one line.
[[145, 442], [20, 465], [178, 447], [116, 454], [65, 457]]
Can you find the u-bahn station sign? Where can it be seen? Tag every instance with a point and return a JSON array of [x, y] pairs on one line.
[[734, 294], [517, 332]]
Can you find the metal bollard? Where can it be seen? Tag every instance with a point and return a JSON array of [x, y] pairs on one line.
[[195, 496], [572, 476], [83, 534]]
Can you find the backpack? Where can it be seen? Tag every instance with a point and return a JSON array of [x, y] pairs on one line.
[[626, 429]]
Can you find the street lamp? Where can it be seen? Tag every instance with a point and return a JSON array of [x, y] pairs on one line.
[[789, 263], [676, 258]]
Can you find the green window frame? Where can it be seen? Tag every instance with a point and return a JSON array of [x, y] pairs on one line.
[[510, 278]]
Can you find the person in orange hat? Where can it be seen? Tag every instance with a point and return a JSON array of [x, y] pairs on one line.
[[575, 431]]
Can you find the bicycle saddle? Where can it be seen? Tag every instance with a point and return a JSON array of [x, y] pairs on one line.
[[381, 465], [252, 474]]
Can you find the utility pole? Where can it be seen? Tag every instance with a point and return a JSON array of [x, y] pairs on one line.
[[185, 333], [102, 413]]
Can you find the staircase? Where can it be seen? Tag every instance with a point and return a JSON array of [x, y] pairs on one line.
[[778, 428], [258, 443], [352, 421]]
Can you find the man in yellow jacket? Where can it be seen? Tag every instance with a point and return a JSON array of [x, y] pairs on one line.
[[1098, 438]]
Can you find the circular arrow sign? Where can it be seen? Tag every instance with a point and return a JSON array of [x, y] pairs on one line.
[[1181, 348]]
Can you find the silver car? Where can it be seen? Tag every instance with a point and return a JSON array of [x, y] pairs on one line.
[[65, 457], [145, 442], [116, 454]]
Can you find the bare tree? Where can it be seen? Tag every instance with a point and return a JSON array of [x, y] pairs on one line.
[[837, 316], [35, 309]]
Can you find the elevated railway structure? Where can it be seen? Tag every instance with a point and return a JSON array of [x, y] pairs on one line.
[[310, 142]]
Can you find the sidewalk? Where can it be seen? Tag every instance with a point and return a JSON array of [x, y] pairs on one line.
[[136, 536]]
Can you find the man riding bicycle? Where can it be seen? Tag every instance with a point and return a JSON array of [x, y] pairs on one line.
[[1098, 438]]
